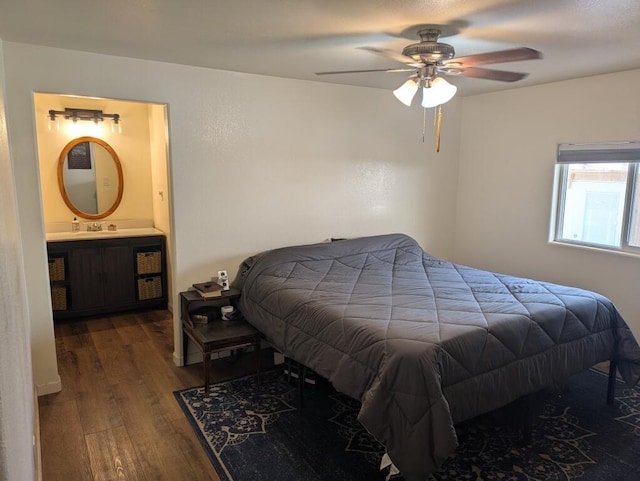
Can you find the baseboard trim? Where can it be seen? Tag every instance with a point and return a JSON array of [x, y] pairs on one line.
[[194, 357], [191, 358], [49, 388], [178, 360]]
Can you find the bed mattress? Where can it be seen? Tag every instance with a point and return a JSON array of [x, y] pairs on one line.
[[424, 343]]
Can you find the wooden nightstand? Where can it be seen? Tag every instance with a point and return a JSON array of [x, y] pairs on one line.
[[216, 335]]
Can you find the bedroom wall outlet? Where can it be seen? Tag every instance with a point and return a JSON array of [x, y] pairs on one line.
[[223, 280]]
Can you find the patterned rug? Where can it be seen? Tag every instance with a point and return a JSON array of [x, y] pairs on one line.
[[256, 433]]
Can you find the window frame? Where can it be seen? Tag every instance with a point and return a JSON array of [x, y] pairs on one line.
[[581, 154], [626, 217]]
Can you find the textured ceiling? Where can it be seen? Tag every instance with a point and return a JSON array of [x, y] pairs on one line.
[[296, 38]]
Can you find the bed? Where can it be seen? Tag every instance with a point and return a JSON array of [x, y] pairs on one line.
[[424, 343]]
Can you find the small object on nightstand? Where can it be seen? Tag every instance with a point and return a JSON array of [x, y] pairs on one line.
[[199, 319], [223, 280], [203, 315], [226, 312], [208, 289], [112, 227]]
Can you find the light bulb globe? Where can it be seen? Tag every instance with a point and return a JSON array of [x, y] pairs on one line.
[[406, 91], [439, 92]]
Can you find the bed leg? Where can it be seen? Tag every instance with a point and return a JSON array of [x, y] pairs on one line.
[[528, 418], [302, 376], [611, 387]]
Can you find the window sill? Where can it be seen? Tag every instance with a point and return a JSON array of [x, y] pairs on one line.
[[618, 252]]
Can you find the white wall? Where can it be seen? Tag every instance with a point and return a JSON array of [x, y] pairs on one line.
[[160, 191], [507, 157], [256, 162], [16, 387]]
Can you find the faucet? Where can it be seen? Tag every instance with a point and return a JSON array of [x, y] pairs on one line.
[[95, 227]]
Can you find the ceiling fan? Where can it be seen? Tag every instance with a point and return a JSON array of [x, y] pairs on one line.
[[429, 58]]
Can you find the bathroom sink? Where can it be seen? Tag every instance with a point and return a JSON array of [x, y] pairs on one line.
[[96, 233], [101, 234]]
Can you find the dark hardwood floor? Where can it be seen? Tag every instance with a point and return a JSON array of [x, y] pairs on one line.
[[116, 417]]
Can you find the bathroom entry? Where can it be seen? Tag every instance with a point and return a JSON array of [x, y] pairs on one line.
[[136, 133]]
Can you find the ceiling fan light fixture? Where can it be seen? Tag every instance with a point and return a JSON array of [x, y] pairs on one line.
[[437, 93], [406, 91]]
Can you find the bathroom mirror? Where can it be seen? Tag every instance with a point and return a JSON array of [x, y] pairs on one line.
[[90, 178]]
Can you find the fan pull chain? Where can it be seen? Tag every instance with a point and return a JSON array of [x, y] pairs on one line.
[[424, 122], [438, 127]]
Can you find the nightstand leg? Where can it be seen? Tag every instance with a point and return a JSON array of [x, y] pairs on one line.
[[206, 361]]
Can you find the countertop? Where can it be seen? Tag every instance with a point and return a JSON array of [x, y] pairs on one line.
[[103, 234]]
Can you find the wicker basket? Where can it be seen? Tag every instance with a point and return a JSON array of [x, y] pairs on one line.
[[149, 288], [59, 298], [149, 262], [56, 269]]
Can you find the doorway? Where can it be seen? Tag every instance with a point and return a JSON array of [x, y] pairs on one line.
[[139, 138]]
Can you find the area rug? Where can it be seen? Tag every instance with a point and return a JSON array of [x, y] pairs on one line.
[[256, 433]]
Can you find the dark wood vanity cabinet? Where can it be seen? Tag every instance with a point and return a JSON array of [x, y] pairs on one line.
[[107, 275], [101, 276]]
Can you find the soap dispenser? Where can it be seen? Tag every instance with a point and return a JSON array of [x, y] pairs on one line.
[[75, 225]]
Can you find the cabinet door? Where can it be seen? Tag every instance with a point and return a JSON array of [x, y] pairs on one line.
[[86, 275], [119, 286]]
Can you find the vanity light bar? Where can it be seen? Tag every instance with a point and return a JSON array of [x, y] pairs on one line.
[[83, 114]]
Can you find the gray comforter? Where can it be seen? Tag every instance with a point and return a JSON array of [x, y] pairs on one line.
[[425, 343]]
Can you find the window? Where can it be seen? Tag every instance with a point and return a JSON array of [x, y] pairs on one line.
[[599, 195]]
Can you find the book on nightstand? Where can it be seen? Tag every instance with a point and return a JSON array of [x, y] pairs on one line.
[[208, 289]]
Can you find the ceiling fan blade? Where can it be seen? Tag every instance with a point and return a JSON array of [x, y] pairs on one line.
[[371, 70], [488, 74], [390, 54], [502, 56]]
